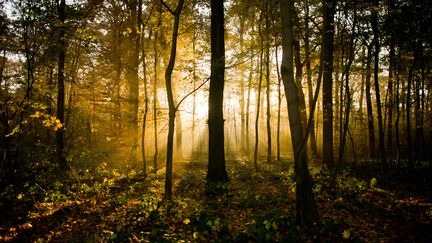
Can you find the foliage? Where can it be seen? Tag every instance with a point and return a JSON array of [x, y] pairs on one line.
[[108, 204]]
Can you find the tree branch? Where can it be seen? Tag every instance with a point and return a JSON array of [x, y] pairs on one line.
[[166, 6], [193, 91]]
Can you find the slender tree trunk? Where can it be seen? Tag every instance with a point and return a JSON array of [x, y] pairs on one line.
[[307, 212], [258, 103], [408, 111], [117, 99], [348, 99], [268, 87], [371, 129], [298, 81], [242, 88], [377, 87], [327, 97], [398, 146], [312, 138], [194, 86], [132, 75], [216, 157], [155, 86], [278, 157], [146, 99], [61, 48], [390, 104], [171, 106], [248, 106]]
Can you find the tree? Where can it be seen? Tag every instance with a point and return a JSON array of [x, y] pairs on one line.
[[306, 210], [327, 59], [171, 106], [132, 73], [216, 156], [61, 48], [377, 87]]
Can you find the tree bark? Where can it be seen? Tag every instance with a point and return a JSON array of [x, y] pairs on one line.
[[146, 100], [377, 87], [313, 143], [268, 86], [61, 48], [132, 75], [216, 157], [327, 97], [307, 212], [371, 130], [171, 106]]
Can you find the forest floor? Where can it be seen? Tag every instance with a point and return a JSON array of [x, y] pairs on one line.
[[109, 205]]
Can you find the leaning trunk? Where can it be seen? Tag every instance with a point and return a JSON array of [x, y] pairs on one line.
[[307, 212]]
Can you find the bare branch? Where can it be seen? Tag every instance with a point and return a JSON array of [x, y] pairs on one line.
[[193, 91], [166, 6]]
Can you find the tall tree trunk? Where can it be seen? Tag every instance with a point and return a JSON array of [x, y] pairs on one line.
[[194, 86], [408, 111], [278, 157], [171, 106], [146, 99], [248, 106], [61, 48], [390, 103], [307, 212], [377, 87], [268, 85], [260, 64], [398, 146], [155, 86], [117, 89], [132, 75], [313, 143], [242, 87], [216, 156], [298, 81], [348, 99], [327, 97], [372, 152]]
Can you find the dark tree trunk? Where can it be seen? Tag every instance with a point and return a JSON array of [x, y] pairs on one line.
[[298, 81], [132, 75], [390, 103], [146, 99], [155, 86], [61, 48], [377, 87], [312, 138], [268, 85], [307, 212], [371, 129], [258, 107], [278, 157], [327, 49], [171, 106], [216, 157]]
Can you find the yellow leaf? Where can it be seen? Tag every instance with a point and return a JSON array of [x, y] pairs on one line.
[[186, 221], [346, 234], [20, 196]]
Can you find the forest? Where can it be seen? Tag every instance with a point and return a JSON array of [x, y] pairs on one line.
[[215, 121]]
